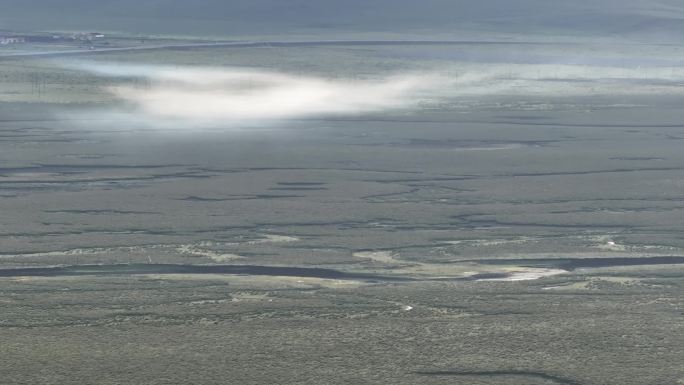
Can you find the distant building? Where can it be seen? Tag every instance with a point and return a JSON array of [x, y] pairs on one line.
[[7, 37], [4, 40], [89, 36]]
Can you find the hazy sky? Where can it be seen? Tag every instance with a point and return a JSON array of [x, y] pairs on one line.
[[633, 19]]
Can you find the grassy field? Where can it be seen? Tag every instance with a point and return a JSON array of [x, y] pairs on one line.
[[579, 329]]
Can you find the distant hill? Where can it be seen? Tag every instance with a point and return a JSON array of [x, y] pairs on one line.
[[660, 20]]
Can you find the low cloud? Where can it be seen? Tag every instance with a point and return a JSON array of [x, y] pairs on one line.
[[192, 97], [182, 95]]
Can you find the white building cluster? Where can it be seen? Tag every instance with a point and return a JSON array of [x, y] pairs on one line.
[[5, 40]]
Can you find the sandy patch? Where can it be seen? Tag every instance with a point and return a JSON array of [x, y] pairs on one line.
[[262, 282], [452, 270], [526, 275], [274, 238], [610, 245], [65, 253], [381, 256], [572, 286], [215, 256], [493, 242], [208, 302]]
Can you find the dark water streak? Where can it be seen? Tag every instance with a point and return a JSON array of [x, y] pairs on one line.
[[141, 269], [501, 373]]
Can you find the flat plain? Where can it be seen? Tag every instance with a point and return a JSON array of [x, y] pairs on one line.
[[516, 238]]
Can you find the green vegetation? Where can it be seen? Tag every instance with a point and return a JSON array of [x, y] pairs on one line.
[[238, 330]]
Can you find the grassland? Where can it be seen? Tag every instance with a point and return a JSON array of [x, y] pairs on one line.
[[466, 186]]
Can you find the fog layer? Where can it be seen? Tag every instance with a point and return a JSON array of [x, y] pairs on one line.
[[192, 96]]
